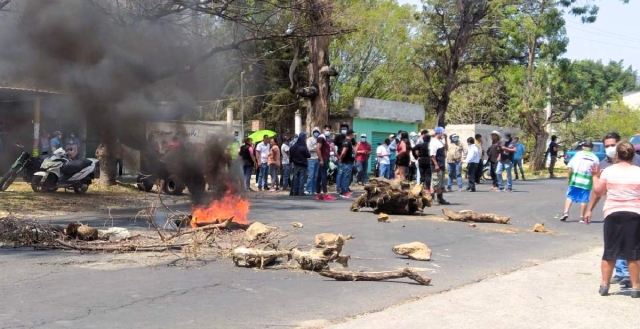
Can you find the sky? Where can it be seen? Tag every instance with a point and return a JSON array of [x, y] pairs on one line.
[[614, 36]]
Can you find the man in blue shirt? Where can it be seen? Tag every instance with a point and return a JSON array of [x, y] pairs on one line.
[[517, 157], [55, 141]]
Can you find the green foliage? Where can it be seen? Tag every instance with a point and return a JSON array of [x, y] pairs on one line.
[[617, 117], [375, 60]]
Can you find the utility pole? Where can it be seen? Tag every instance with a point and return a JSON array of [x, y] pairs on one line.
[[242, 104]]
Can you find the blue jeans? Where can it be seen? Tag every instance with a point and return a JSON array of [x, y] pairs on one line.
[[621, 268], [312, 175], [286, 174], [384, 170], [363, 175], [248, 170], [321, 182], [263, 175], [344, 171], [516, 164], [504, 166], [455, 172], [392, 169], [298, 180]]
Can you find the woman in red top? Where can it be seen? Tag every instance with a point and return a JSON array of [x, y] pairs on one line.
[[402, 156]]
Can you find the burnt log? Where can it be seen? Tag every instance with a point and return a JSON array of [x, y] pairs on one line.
[[376, 276], [392, 197], [471, 216]]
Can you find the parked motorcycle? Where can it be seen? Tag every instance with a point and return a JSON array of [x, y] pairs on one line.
[[25, 164], [60, 172]]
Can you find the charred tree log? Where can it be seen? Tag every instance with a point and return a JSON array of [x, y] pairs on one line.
[[251, 257], [376, 276], [392, 197], [470, 216]]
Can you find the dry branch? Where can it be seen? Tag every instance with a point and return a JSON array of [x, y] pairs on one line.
[[376, 276], [470, 216], [251, 257], [120, 247]]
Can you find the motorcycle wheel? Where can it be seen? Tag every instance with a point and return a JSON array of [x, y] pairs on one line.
[[82, 189], [173, 185], [36, 184], [486, 175], [8, 179]]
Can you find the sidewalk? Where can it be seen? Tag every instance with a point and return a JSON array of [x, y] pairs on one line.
[[562, 293]]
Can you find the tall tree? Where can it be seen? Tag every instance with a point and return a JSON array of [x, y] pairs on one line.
[[374, 61], [454, 36], [536, 33]]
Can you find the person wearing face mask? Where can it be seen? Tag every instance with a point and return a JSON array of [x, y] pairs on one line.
[[363, 152], [580, 180], [454, 162], [610, 142], [312, 169], [412, 171], [472, 160], [339, 142], [505, 163]]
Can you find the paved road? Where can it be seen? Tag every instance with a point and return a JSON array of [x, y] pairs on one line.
[[559, 294], [58, 290]]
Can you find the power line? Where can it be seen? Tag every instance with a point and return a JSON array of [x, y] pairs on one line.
[[607, 34], [606, 43]]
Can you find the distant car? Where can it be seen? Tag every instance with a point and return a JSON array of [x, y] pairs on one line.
[[598, 150], [635, 140]]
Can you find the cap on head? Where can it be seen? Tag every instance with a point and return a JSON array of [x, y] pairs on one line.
[[363, 135], [497, 133], [413, 133], [587, 144], [439, 130], [303, 135], [392, 136], [350, 132]]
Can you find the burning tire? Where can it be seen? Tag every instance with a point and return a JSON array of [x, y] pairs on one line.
[[173, 185]]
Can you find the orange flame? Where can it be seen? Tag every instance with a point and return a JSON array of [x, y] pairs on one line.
[[219, 210]]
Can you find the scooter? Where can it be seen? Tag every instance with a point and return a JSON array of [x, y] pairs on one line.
[[59, 172], [25, 164]]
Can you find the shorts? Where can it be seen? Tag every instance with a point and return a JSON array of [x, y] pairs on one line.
[[437, 180], [578, 195], [622, 236]]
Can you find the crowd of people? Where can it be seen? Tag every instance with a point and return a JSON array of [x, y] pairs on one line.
[[306, 163]]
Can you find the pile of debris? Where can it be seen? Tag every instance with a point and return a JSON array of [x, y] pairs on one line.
[[392, 197], [326, 249]]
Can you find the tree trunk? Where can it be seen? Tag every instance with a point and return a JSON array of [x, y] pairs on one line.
[[538, 158], [443, 103], [319, 69], [105, 155]]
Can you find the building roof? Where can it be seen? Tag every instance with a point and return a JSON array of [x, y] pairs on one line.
[[369, 108]]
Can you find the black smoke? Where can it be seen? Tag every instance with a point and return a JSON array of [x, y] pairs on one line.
[[116, 63]]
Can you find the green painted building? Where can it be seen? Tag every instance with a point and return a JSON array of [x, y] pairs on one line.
[[378, 119]]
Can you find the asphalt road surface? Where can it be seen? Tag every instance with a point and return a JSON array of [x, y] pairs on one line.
[[45, 289]]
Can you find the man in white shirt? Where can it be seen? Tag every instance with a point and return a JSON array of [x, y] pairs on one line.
[[473, 163], [263, 149], [286, 166], [312, 169], [382, 154]]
